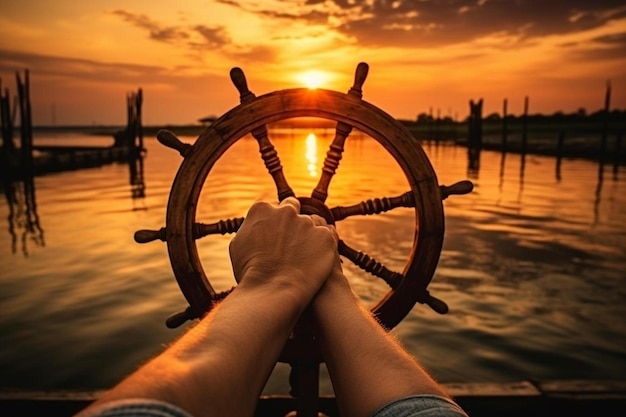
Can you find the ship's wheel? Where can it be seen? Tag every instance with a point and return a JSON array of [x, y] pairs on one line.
[[349, 112]]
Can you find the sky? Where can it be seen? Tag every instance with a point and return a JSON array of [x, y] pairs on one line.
[[84, 57]]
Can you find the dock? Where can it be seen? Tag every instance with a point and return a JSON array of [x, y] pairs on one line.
[[28, 159]]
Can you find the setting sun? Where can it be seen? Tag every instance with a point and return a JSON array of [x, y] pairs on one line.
[[313, 78]]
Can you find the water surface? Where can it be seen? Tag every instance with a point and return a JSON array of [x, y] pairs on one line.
[[532, 265]]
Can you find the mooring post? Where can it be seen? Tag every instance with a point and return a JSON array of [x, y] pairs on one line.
[[504, 126], [23, 89], [475, 136], [559, 154], [7, 129], [525, 126], [139, 104], [605, 121], [617, 154]]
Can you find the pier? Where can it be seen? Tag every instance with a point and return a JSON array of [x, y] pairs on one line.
[[28, 159]]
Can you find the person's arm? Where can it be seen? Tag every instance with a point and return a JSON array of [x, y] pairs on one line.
[[220, 366], [367, 366]]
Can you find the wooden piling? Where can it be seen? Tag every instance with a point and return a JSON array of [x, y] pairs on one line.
[[26, 129], [605, 121], [475, 137], [475, 128], [617, 154], [504, 125], [6, 124], [139, 104], [559, 154], [525, 127]]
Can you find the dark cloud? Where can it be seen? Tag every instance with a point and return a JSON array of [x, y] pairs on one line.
[[197, 37], [613, 39], [76, 68], [213, 37], [156, 32], [85, 91], [431, 23], [253, 54], [605, 48]]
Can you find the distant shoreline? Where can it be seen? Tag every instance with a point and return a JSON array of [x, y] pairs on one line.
[[582, 136]]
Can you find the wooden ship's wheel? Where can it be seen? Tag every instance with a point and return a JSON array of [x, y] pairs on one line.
[[350, 112]]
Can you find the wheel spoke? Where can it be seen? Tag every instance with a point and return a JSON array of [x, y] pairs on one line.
[[331, 162], [371, 265], [222, 227], [458, 188], [373, 206], [267, 150], [272, 162], [342, 130], [199, 230]]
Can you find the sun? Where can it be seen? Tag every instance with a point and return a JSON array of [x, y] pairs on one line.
[[313, 78]]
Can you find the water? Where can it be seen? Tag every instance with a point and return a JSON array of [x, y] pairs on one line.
[[533, 264]]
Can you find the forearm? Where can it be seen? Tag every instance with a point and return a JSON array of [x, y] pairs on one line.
[[368, 368], [221, 365]]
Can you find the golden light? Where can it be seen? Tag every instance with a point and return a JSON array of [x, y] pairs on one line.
[[311, 154], [313, 78]]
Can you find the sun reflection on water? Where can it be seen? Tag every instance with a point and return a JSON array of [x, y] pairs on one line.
[[311, 154]]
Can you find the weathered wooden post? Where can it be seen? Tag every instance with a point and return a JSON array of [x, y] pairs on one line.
[[430, 124], [525, 126], [6, 123], [605, 121], [23, 89], [559, 154], [475, 136], [438, 127], [131, 122], [617, 154], [139, 104], [504, 125], [132, 136]]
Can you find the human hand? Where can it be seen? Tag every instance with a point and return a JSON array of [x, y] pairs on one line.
[[276, 244]]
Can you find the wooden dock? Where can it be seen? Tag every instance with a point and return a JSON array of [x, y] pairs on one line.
[[50, 159], [28, 159]]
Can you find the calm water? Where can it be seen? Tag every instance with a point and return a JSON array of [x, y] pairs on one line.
[[533, 264]]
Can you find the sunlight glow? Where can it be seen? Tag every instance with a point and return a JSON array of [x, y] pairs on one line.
[[311, 154], [313, 78]]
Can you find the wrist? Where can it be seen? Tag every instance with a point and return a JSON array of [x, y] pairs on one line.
[[287, 286], [335, 293]]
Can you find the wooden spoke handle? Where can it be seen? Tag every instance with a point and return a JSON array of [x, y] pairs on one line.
[[221, 227], [178, 319], [241, 84], [435, 303], [167, 138], [458, 188], [359, 78], [146, 236], [374, 206], [371, 265]]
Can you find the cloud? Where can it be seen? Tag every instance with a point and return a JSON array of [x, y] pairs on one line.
[[199, 38], [431, 23], [195, 37], [156, 31], [213, 37], [76, 68], [606, 48], [84, 90]]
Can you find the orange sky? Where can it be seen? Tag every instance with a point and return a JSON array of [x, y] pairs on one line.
[[84, 57]]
